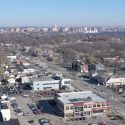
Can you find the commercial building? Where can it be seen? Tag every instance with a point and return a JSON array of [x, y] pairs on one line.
[[77, 105], [28, 71], [48, 83], [5, 111], [44, 83], [25, 80], [79, 66], [12, 58], [116, 82]]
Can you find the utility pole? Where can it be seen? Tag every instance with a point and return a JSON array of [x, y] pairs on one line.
[[100, 119], [112, 96]]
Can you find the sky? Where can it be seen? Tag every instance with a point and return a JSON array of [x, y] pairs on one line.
[[62, 12]]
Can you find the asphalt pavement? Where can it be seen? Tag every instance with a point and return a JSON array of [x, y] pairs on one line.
[[82, 85], [109, 95]]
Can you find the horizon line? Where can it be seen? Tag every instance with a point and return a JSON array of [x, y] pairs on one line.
[[33, 26]]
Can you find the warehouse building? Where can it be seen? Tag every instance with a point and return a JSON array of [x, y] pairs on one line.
[[48, 83], [44, 83], [78, 105]]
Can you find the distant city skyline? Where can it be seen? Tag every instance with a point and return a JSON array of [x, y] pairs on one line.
[[17, 13]]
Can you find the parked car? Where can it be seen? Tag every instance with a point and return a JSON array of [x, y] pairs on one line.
[[31, 121], [12, 98], [26, 114], [116, 118], [32, 106], [15, 105], [37, 111], [11, 90], [120, 91], [25, 95], [19, 112], [44, 121], [102, 123]]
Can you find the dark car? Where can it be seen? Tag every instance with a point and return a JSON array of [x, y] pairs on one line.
[[36, 112], [31, 121], [102, 123]]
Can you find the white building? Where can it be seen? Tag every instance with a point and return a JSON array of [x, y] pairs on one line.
[[90, 30], [12, 58], [48, 83], [25, 80], [5, 111], [30, 29], [26, 64], [45, 83], [55, 28], [78, 105], [17, 30], [11, 80], [115, 82], [45, 29], [28, 71], [66, 29]]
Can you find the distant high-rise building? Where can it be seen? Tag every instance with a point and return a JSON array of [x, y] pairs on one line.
[[55, 28], [66, 29], [17, 30], [91, 30], [45, 29]]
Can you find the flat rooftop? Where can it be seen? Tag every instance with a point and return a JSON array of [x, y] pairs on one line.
[[75, 97], [44, 78]]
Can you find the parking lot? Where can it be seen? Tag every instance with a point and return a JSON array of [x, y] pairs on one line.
[[35, 117], [26, 110], [48, 111], [11, 90]]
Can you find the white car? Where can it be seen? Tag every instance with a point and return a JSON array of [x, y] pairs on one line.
[[20, 113], [44, 121]]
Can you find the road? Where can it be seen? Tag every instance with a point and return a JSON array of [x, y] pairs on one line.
[[116, 101]]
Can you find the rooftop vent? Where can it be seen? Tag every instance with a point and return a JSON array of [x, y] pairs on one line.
[[81, 99]]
